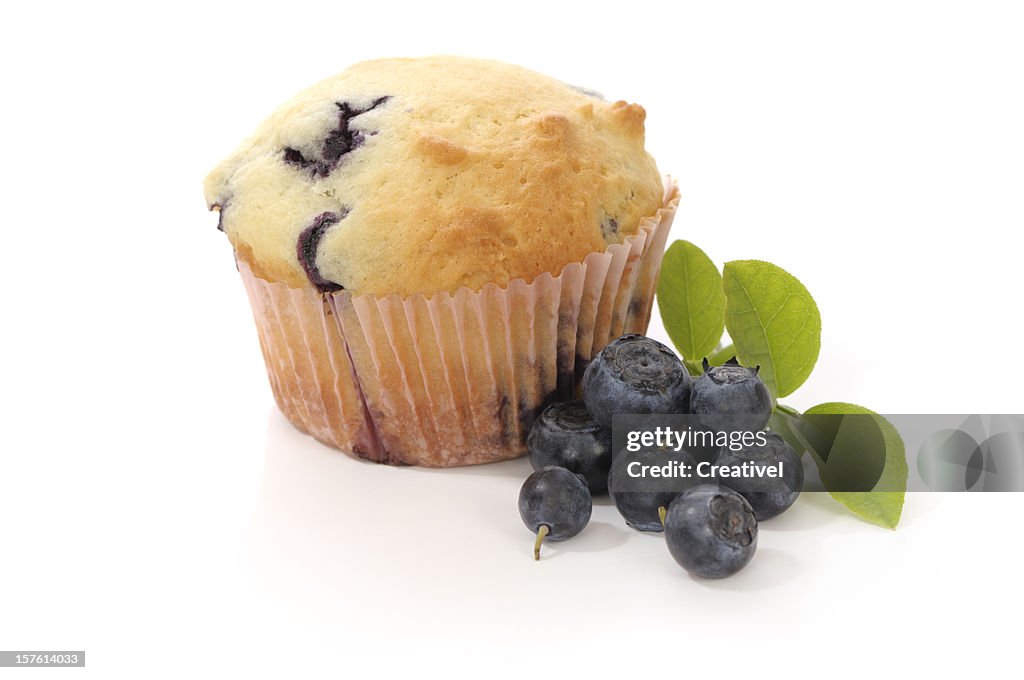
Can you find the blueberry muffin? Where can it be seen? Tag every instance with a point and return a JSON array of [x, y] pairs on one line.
[[434, 248]]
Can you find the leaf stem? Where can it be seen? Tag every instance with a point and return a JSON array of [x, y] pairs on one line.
[[788, 410], [694, 368]]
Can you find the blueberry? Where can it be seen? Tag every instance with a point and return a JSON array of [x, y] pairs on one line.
[[769, 496], [609, 228], [635, 374], [711, 531], [731, 398], [554, 503], [643, 502], [336, 144], [306, 247], [704, 445], [565, 435]]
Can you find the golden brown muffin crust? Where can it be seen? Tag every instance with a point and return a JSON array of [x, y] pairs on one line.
[[421, 175]]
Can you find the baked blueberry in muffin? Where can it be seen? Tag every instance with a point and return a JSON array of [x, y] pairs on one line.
[[309, 241], [339, 141]]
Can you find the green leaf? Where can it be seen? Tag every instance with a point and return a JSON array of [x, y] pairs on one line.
[[864, 450], [691, 300], [773, 321]]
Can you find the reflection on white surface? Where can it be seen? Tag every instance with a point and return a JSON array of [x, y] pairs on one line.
[[385, 544]]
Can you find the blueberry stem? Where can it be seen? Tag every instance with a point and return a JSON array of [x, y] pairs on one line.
[[661, 514], [541, 533]]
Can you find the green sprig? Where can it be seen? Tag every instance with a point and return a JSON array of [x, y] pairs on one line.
[[774, 322]]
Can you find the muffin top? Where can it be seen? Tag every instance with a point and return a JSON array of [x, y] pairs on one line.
[[423, 175]]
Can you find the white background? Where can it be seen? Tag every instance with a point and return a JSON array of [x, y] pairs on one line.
[[158, 512]]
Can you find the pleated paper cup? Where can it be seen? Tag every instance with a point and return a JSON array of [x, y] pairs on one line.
[[451, 378]]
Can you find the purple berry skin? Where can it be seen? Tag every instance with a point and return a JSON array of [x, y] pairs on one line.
[[640, 507], [711, 531], [635, 374], [567, 436], [769, 496], [558, 499], [731, 398]]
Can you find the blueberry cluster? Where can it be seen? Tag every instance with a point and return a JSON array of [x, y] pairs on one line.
[[710, 528]]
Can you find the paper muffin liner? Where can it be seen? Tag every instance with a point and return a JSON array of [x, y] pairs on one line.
[[453, 378]]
